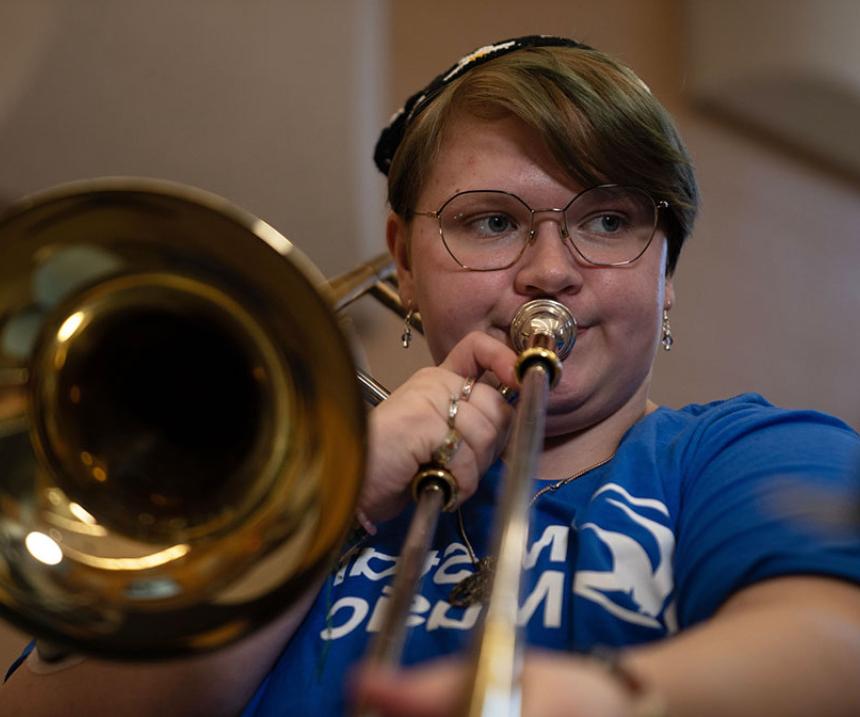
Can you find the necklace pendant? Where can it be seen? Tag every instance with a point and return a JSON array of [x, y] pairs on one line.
[[474, 588]]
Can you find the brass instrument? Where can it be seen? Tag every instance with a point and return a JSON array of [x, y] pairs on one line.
[[181, 432]]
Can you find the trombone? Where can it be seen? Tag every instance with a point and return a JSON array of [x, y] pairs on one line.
[[182, 432]]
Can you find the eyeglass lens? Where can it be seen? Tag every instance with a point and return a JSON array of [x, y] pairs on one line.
[[489, 229]]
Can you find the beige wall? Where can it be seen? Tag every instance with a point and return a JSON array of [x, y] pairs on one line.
[[271, 104], [274, 104]]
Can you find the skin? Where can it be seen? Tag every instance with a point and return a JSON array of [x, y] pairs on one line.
[[618, 310], [210, 685], [466, 315], [786, 646]]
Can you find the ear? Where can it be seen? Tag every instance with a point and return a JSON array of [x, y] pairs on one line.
[[397, 237]]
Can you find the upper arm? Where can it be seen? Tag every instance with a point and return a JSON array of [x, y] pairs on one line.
[[214, 684], [809, 595], [217, 683], [748, 511]]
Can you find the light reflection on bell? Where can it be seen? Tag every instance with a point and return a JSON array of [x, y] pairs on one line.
[[43, 548]]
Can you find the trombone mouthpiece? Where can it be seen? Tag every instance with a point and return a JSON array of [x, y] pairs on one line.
[[547, 318], [543, 331]]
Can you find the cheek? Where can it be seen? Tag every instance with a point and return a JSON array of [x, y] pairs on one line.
[[442, 328], [438, 305], [452, 304], [631, 309], [640, 314]]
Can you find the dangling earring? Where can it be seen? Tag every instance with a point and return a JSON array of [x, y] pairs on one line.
[[666, 338], [406, 336]]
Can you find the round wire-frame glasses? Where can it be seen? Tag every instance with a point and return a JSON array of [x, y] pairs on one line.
[[610, 221]]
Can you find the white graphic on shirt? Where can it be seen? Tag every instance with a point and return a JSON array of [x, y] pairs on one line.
[[352, 612], [633, 572], [633, 586]]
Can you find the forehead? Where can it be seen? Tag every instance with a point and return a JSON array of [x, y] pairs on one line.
[[503, 153]]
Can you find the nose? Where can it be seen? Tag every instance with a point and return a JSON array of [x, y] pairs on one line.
[[549, 264]]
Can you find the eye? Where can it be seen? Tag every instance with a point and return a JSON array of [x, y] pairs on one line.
[[605, 224], [488, 219], [495, 224], [485, 225]]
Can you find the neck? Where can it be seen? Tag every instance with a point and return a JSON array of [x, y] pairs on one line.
[[567, 454]]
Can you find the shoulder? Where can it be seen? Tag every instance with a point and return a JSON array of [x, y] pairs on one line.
[[764, 492], [747, 426], [705, 449], [745, 411], [720, 455]]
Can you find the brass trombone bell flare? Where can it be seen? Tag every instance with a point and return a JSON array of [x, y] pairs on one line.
[[181, 430]]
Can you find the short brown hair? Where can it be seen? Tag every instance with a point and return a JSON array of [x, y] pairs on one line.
[[599, 121]]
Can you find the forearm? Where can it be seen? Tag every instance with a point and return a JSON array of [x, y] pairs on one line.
[[763, 655], [219, 683]]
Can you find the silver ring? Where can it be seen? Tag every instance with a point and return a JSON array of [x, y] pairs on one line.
[[453, 407], [466, 391], [446, 450]]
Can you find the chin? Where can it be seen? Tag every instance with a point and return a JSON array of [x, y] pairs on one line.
[[567, 415], [567, 425], [573, 408]]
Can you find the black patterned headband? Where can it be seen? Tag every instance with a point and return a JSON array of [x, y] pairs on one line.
[[392, 135]]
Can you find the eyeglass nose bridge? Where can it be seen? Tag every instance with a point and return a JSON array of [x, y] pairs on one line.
[[561, 220]]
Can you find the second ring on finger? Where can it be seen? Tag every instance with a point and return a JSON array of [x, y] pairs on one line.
[[454, 403], [466, 390], [453, 408], [451, 442]]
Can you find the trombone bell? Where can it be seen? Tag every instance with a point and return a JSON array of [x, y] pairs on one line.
[[181, 432]]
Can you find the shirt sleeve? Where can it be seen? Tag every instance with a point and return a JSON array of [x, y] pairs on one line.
[[765, 492]]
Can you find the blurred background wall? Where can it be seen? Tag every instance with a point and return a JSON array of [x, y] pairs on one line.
[[276, 105]]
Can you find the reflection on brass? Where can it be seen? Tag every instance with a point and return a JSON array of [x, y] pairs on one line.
[[178, 410]]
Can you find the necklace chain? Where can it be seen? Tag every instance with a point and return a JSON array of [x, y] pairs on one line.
[[564, 481], [542, 492], [475, 587]]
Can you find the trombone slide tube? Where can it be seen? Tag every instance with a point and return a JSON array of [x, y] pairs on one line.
[[494, 689], [388, 644]]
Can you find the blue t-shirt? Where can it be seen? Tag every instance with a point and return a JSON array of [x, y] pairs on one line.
[[696, 504]]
